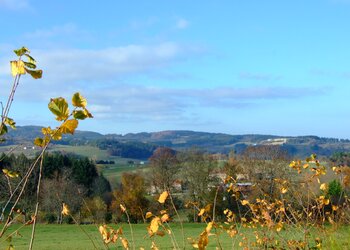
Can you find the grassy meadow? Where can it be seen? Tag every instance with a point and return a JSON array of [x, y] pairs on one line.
[[73, 237]]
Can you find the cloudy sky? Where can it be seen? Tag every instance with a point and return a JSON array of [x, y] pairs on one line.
[[237, 67]]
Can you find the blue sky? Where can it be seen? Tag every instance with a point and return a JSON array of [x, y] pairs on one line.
[[237, 67]]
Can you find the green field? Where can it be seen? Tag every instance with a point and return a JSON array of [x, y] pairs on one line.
[[72, 237], [112, 172]]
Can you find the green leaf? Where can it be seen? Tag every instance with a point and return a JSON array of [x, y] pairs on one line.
[[59, 107], [21, 51], [30, 65], [10, 122], [17, 68], [79, 114], [3, 129], [36, 74], [69, 126], [31, 59], [78, 100]]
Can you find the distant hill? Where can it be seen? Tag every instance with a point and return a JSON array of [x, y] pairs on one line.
[[144, 143], [26, 135]]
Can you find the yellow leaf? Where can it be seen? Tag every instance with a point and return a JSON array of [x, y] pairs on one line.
[[163, 197], [155, 224], [323, 186], [279, 226], [284, 190], [40, 142], [103, 231], [149, 215], [163, 212], [165, 218], [125, 243], [244, 202], [69, 126], [59, 107], [56, 135], [65, 209], [203, 240], [195, 245], [78, 100], [201, 212], [334, 207], [209, 227], [17, 68], [122, 208], [11, 174]]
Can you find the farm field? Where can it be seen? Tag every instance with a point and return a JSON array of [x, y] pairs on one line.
[[112, 172], [72, 237]]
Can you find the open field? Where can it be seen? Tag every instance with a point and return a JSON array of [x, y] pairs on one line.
[[112, 172], [72, 237]]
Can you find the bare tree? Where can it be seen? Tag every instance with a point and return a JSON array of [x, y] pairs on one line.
[[164, 166], [263, 165]]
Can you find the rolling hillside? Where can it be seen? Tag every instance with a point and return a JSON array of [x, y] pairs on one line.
[[141, 145]]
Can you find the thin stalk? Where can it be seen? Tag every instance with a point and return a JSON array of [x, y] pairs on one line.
[[82, 229], [214, 207], [131, 230], [37, 203], [24, 181], [180, 221]]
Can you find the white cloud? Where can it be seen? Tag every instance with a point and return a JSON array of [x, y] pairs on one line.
[[258, 76], [14, 4], [63, 30], [182, 23], [132, 102], [68, 65]]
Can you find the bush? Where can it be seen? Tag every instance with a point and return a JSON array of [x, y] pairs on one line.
[[50, 218]]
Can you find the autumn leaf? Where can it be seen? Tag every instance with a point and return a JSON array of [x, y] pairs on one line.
[[59, 107], [284, 190], [163, 197], [122, 208], [155, 225], [36, 74], [11, 174], [201, 212], [78, 100], [21, 51], [165, 218], [323, 186], [149, 215], [244, 202], [125, 243], [17, 68], [69, 126], [65, 209], [10, 122], [163, 212], [209, 227]]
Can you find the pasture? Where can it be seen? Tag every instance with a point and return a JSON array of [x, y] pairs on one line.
[[74, 237]]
